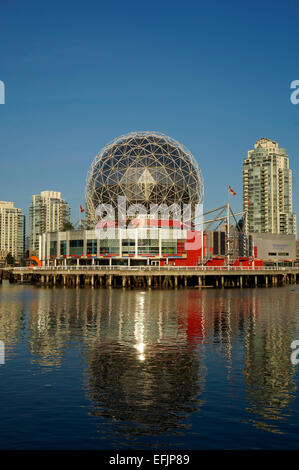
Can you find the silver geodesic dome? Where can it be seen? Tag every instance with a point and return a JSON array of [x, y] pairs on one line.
[[146, 168]]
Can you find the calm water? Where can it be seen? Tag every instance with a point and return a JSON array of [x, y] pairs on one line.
[[119, 369]]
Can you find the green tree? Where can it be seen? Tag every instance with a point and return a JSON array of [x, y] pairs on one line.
[[67, 226], [240, 225], [10, 261]]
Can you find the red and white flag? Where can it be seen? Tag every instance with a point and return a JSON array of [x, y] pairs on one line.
[[81, 209], [230, 190]]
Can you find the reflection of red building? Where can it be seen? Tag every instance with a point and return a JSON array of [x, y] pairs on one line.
[[191, 317], [206, 313]]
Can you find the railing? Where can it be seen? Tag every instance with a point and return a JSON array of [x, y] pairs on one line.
[[156, 268]]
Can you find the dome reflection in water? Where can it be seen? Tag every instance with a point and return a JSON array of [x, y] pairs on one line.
[[118, 368]]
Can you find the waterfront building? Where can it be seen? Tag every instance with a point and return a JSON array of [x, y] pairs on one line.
[[12, 231], [181, 247], [145, 169], [136, 248], [267, 189], [48, 213], [274, 248]]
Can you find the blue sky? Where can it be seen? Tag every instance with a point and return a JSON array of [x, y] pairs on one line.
[[214, 75]]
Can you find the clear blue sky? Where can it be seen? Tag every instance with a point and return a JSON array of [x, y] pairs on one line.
[[214, 75]]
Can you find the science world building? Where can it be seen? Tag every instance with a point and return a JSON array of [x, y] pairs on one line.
[[144, 195], [145, 168]]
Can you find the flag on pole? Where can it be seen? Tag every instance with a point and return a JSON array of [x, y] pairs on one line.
[[230, 190], [81, 209]]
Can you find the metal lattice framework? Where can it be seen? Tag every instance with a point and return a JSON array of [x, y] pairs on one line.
[[145, 167]]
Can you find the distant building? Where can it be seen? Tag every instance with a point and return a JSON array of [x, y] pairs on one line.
[[215, 243], [48, 213], [12, 231], [274, 247], [267, 189]]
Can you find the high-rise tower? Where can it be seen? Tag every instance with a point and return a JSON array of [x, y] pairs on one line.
[[48, 213], [267, 189], [12, 231]]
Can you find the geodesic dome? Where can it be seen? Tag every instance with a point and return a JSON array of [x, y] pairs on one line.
[[146, 168]]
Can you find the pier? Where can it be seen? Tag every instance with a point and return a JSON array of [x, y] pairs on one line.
[[169, 277]]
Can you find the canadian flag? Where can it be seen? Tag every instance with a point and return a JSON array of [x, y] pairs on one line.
[[230, 190], [81, 209]]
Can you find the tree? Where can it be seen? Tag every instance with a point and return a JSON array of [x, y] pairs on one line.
[[67, 226], [240, 225], [10, 261]]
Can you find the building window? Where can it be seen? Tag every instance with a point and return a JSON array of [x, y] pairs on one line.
[[76, 247], [63, 247], [109, 247], [169, 247], [53, 248], [91, 247]]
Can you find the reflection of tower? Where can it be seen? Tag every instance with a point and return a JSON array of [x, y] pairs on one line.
[[48, 330], [269, 374], [12, 318], [145, 373]]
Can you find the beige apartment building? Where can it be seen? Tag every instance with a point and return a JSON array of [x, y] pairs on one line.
[[12, 231], [48, 213], [267, 189]]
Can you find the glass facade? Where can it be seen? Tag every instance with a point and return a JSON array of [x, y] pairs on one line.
[[109, 247], [128, 247], [63, 248], [91, 247], [53, 248], [76, 247]]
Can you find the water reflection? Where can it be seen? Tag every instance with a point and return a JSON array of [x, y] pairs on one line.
[[142, 370], [269, 374], [147, 355], [12, 316]]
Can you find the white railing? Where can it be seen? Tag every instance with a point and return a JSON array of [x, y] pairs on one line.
[[156, 268]]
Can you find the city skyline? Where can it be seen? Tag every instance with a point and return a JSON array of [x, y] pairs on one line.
[[74, 211], [149, 247], [119, 72]]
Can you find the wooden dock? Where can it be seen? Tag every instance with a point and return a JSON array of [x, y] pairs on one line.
[[154, 276]]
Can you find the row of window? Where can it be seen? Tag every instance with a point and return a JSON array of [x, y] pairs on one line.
[[112, 246]]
